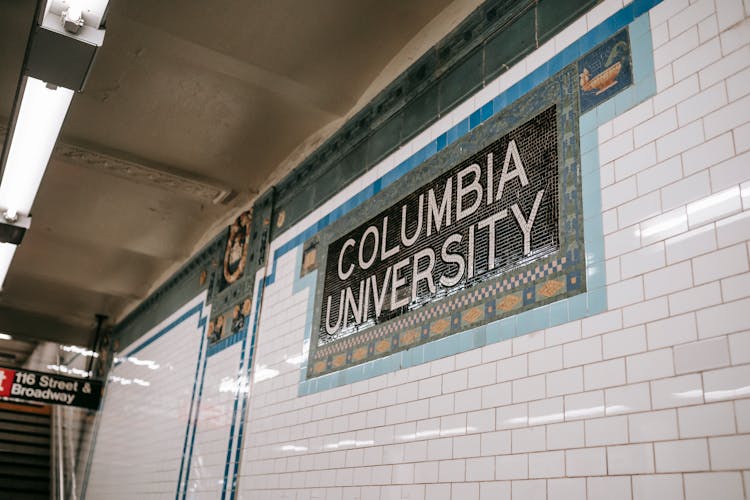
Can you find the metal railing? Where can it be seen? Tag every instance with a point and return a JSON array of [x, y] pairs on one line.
[[57, 474], [67, 438]]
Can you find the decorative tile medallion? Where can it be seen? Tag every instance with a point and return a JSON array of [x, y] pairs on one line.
[[235, 254], [489, 227], [605, 71], [230, 290]]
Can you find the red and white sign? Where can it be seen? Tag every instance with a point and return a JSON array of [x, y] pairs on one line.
[[6, 381]]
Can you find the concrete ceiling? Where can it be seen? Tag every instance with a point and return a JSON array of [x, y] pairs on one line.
[[188, 101], [14, 352]]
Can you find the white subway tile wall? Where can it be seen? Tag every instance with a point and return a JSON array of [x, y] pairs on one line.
[[643, 401], [648, 400], [141, 434]]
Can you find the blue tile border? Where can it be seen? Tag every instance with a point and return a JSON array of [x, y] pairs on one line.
[[195, 398], [306, 282], [235, 407], [193, 425], [594, 300], [245, 396], [227, 342]]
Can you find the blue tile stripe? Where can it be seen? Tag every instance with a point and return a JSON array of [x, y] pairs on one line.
[[235, 405], [594, 300], [306, 282], [227, 342], [198, 309], [193, 424], [246, 395]]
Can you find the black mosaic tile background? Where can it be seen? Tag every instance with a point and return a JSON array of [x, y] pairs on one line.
[[536, 141]]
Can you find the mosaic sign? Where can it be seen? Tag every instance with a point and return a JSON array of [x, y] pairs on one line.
[[482, 217], [487, 228]]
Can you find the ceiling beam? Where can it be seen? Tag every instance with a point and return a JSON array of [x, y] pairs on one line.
[[25, 325], [137, 171], [140, 173]]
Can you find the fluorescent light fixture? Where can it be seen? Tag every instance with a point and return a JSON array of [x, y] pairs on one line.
[[40, 117], [7, 250], [5, 336], [56, 65]]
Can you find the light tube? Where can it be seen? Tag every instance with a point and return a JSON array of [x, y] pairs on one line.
[[7, 250], [40, 118]]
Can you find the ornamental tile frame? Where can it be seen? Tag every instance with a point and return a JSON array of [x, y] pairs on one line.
[[553, 299], [556, 102]]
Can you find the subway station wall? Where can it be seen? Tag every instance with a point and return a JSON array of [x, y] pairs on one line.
[[608, 359]]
